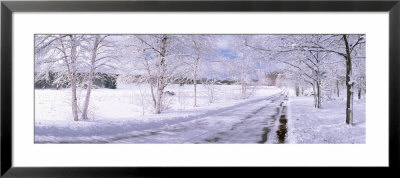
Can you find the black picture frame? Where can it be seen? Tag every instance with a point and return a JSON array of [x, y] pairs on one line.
[[8, 7]]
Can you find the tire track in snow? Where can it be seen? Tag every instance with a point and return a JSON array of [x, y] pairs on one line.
[[204, 135], [229, 136], [202, 126]]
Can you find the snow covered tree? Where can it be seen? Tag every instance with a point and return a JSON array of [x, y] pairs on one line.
[[198, 47], [102, 55], [53, 51], [350, 43], [310, 62], [242, 61], [72, 60], [345, 46], [162, 62]]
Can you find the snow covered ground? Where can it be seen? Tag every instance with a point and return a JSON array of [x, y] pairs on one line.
[[114, 114], [125, 115], [326, 125]]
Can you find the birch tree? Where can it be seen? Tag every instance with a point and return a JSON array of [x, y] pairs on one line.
[[198, 48], [102, 54], [56, 50], [64, 56], [162, 55]]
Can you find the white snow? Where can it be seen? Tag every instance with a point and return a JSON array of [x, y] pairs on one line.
[[114, 112], [326, 125], [116, 116]]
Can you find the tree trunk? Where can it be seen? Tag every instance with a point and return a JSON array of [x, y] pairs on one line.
[[195, 80], [212, 94], [314, 95], [151, 81], [159, 99], [243, 83], [152, 94], [74, 98], [160, 92], [161, 74], [349, 84], [73, 79], [318, 95], [359, 93], [90, 80], [337, 88], [297, 89], [243, 90]]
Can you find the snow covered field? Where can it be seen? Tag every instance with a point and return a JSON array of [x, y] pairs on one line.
[[325, 125], [128, 109], [121, 116]]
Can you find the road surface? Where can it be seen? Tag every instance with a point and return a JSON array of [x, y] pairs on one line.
[[253, 122]]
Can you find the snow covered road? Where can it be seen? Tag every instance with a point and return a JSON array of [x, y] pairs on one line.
[[248, 122]]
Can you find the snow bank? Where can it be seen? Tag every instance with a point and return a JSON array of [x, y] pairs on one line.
[[325, 125]]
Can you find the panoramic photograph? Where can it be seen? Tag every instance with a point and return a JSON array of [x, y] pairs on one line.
[[199, 89]]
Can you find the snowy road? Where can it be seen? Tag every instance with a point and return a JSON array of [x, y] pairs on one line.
[[250, 123]]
